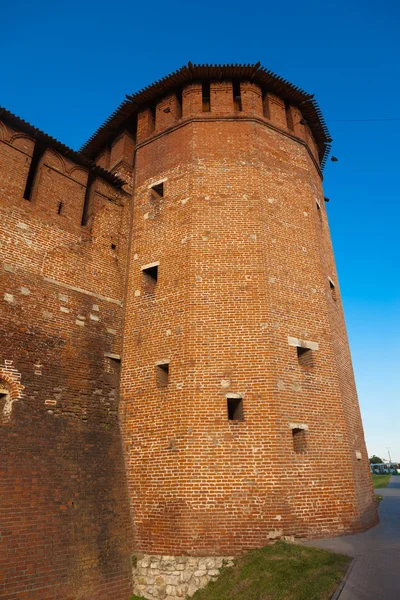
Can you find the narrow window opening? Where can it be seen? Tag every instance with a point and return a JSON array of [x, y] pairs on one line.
[[332, 287], [151, 273], [319, 211], [38, 152], [289, 118], [152, 121], [150, 277], [85, 212], [237, 97], [179, 104], [132, 129], [299, 440], [235, 409], [158, 189], [305, 357], [265, 101], [59, 208], [113, 246], [4, 392], [206, 97], [162, 374]]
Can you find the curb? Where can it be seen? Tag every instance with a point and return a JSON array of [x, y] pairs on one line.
[[340, 589]]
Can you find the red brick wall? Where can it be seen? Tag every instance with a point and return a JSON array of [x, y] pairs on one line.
[[65, 522], [243, 266], [244, 260], [351, 409]]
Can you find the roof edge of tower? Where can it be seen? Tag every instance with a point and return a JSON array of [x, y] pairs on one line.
[[78, 157], [191, 72]]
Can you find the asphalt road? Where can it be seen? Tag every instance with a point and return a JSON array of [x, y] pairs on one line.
[[375, 573]]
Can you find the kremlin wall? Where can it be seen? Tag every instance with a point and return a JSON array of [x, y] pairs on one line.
[[176, 383]]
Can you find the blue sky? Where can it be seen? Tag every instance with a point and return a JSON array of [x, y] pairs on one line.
[[67, 66]]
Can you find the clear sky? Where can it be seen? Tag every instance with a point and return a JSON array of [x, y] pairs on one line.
[[66, 66]]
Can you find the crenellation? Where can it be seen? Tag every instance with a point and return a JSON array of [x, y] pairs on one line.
[[221, 97], [252, 98], [277, 111], [192, 100], [103, 160], [145, 124], [122, 151], [168, 111]]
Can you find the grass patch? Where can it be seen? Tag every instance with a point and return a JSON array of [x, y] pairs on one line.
[[279, 572], [380, 481]]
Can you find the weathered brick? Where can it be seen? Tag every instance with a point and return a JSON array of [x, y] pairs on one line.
[[245, 306]]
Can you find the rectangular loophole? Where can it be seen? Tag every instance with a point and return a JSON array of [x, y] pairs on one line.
[[205, 95], [152, 119], [237, 96], [86, 202], [265, 101], [158, 188], [150, 278], [179, 104], [37, 155], [332, 287], [299, 440], [162, 374], [289, 119], [319, 211], [235, 409], [305, 357]]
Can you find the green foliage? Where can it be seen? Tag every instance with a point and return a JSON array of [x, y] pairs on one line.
[[375, 460], [279, 572]]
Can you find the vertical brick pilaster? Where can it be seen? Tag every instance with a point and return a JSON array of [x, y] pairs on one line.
[[251, 98]]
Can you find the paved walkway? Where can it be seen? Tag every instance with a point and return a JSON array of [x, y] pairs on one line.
[[375, 574]]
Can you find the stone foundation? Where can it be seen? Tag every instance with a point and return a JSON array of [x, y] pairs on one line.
[[175, 577]]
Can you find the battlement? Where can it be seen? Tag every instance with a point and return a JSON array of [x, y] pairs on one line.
[[50, 182], [224, 100], [210, 92]]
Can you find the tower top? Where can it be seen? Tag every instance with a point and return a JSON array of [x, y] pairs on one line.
[[189, 73]]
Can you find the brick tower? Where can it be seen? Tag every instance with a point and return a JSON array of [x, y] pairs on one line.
[[189, 238], [238, 405]]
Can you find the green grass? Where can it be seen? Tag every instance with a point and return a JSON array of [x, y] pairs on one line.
[[279, 572], [380, 481]]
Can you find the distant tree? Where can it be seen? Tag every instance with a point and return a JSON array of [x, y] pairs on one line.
[[374, 460]]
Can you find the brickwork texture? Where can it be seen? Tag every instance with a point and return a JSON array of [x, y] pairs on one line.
[[175, 375]]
